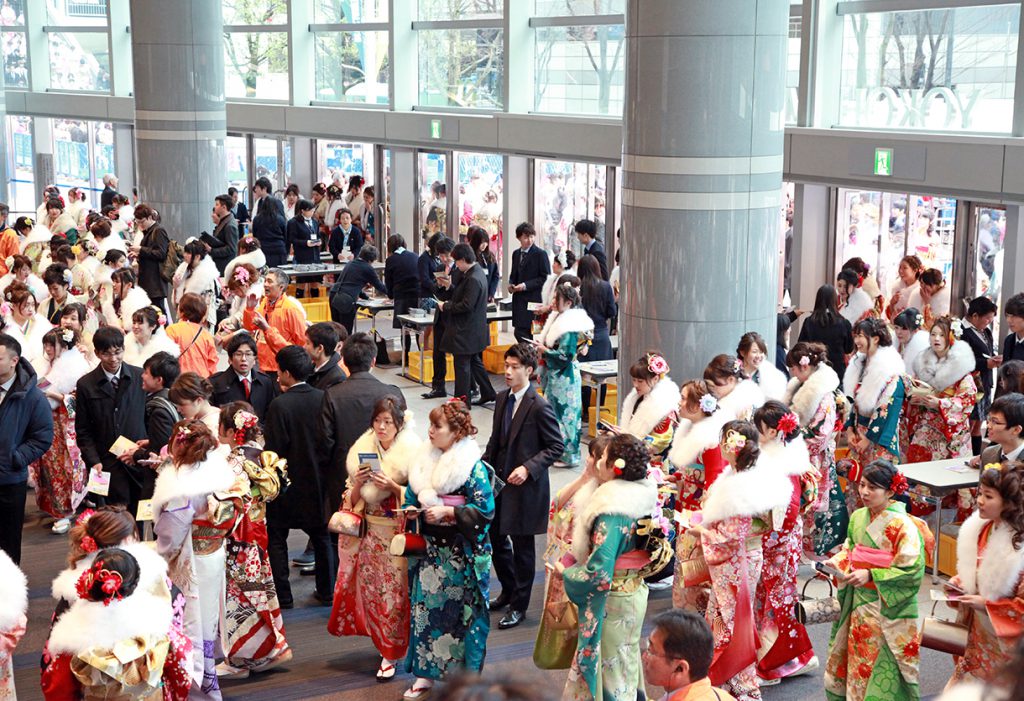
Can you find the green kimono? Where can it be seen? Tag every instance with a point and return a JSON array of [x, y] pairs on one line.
[[560, 381]]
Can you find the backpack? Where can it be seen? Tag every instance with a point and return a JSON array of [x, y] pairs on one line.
[[170, 264]]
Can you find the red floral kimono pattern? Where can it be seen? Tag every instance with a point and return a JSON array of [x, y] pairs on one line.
[[60, 474], [371, 593]]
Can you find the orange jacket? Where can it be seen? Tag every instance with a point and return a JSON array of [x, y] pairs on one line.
[[200, 356], [287, 328], [9, 246]]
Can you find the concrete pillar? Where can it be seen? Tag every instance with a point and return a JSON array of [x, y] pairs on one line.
[[178, 62], [124, 158], [702, 177], [42, 146], [6, 158], [810, 247], [404, 198]]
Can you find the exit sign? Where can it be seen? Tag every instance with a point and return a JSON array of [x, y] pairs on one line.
[[435, 128], [883, 161]]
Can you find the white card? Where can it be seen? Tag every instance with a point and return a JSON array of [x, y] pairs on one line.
[[99, 483], [145, 510], [123, 445]]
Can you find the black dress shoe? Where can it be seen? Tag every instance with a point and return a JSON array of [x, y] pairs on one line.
[[511, 619], [286, 604], [434, 394], [482, 401], [499, 602], [321, 600]]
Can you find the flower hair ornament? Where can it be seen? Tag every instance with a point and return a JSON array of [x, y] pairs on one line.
[[919, 320], [67, 335], [111, 583], [29, 222], [956, 331], [241, 275], [737, 365], [618, 467], [84, 517], [68, 277], [899, 483], [244, 420], [998, 466], [708, 403], [788, 423], [88, 544], [805, 361], [657, 364], [735, 441], [183, 433], [161, 318]]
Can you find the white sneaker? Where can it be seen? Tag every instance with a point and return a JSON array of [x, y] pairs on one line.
[[812, 664], [768, 682], [61, 526], [663, 584]]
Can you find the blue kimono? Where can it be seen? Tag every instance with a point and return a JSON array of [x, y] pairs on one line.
[[560, 381]]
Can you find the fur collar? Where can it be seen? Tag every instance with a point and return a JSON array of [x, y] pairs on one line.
[[435, 473], [661, 401], [692, 439], [633, 500], [38, 235], [771, 380], [875, 384], [859, 304], [257, 259], [1001, 564], [91, 624], [200, 479], [203, 278], [804, 398], [152, 566], [67, 370], [136, 355], [787, 458], [749, 493], [13, 592], [940, 374], [560, 323], [915, 346], [395, 462], [135, 300], [742, 401]]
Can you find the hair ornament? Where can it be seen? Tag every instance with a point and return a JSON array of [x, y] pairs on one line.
[[84, 517], [111, 583], [28, 220], [919, 320], [68, 335], [567, 285], [76, 249], [708, 403], [452, 400], [899, 483], [88, 544], [657, 364], [241, 275], [618, 466], [244, 421], [735, 441], [805, 361], [860, 280], [5, 306], [788, 423], [737, 365], [248, 240], [67, 277], [998, 466], [183, 433], [956, 329], [161, 319]]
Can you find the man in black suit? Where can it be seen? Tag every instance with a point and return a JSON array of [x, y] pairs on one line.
[[586, 232], [467, 335], [443, 289], [158, 374], [241, 381], [525, 441], [110, 402], [1005, 430], [530, 270], [321, 344], [225, 232], [1013, 346], [978, 335], [269, 223], [109, 190], [292, 433], [238, 209], [402, 280]]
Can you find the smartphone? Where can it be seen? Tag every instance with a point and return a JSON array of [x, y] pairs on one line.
[[828, 570], [370, 459]]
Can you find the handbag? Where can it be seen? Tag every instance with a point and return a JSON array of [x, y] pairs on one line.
[[823, 610], [557, 636], [383, 357], [410, 542], [942, 635], [690, 563], [349, 522]]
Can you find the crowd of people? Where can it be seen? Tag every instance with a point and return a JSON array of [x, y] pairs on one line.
[[719, 487]]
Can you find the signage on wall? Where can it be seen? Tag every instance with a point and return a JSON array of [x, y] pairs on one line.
[[435, 128], [883, 162]]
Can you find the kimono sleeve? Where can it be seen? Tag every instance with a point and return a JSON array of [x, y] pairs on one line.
[[723, 540], [475, 517], [1007, 615], [898, 585], [662, 435], [956, 409], [57, 681], [594, 576], [885, 422], [563, 354], [410, 498]]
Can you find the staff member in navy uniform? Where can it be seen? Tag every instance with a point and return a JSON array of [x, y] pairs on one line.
[[530, 269]]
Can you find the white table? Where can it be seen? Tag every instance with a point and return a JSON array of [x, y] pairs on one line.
[[596, 373], [419, 326], [940, 481], [373, 306]]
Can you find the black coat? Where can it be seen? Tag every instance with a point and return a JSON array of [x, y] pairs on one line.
[[357, 275], [107, 196], [402, 281], [28, 426], [597, 250], [241, 213], [152, 252], [228, 388], [344, 416], [338, 241], [599, 303], [161, 415], [533, 271], [466, 331], [981, 343], [837, 339], [269, 224], [297, 236], [328, 376], [1012, 350], [101, 416], [226, 234], [427, 265], [493, 277], [535, 442], [291, 431]]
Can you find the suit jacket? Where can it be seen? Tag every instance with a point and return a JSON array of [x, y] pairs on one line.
[[152, 252], [344, 416], [533, 441], [297, 236], [328, 376], [228, 388], [981, 344], [466, 329], [241, 213], [226, 232], [531, 270], [338, 241], [597, 250], [402, 277], [1011, 349], [992, 454], [102, 415], [161, 415], [107, 196], [268, 226], [292, 432]]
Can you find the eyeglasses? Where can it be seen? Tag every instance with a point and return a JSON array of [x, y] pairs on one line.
[[112, 353], [243, 355], [996, 422]]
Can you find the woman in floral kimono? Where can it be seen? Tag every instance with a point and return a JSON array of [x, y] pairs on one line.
[[731, 524], [874, 379], [752, 351], [114, 641], [649, 411], [566, 327], [912, 339], [253, 637], [737, 395], [196, 501], [605, 581], [60, 475], [937, 416], [874, 650], [450, 488], [371, 592], [556, 643], [990, 570], [785, 649], [811, 395], [14, 594]]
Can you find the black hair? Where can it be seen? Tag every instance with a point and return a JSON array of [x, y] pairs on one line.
[[164, 366], [880, 473], [432, 242], [908, 319], [123, 276], [395, 241], [826, 310], [525, 353], [1011, 376], [147, 315], [873, 327], [687, 636], [850, 277], [359, 352], [857, 265], [304, 204], [113, 560], [55, 337], [634, 454], [224, 200], [232, 191], [113, 256], [464, 252], [588, 227], [751, 450], [107, 338], [239, 340], [931, 276], [1014, 305], [782, 324], [10, 343], [525, 229], [54, 275], [478, 237], [443, 245], [263, 182], [770, 414], [980, 306], [323, 334], [721, 368], [295, 361], [368, 253], [1011, 406], [78, 309], [748, 341], [196, 247], [816, 354], [568, 292]]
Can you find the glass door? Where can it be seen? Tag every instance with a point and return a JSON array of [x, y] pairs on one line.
[[432, 185], [987, 232], [564, 193], [481, 196]]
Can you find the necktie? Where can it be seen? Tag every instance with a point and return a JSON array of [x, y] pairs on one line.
[[114, 382], [247, 386], [510, 409]]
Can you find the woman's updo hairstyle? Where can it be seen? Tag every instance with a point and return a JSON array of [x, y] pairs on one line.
[[909, 319], [389, 405], [147, 316], [748, 341], [190, 387], [456, 414], [634, 456], [880, 473], [873, 327], [106, 527], [915, 264], [815, 354], [191, 441], [17, 293], [931, 276], [248, 244], [237, 282], [850, 276], [196, 248], [641, 369], [1008, 480], [567, 292], [774, 414], [946, 324], [113, 575], [721, 368], [65, 338], [693, 392], [750, 451], [227, 425], [19, 261], [100, 229], [857, 265]]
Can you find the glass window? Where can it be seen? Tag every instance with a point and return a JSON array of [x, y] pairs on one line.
[[254, 12], [460, 9], [481, 196], [256, 65], [989, 232], [580, 70], [340, 11], [352, 67], [79, 61], [339, 161], [793, 69], [77, 13], [23, 180], [235, 153], [461, 68], [562, 8], [15, 60], [71, 153], [432, 172], [564, 193], [103, 158], [266, 162], [12, 13], [949, 69]]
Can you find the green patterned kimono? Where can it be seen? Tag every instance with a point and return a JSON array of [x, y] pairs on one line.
[[562, 388], [874, 653]]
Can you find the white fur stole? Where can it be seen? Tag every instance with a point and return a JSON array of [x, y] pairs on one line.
[[944, 372], [394, 462], [436, 474], [875, 388], [1002, 564], [13, 593], [620, 497], [661, 401], [804, 398]]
